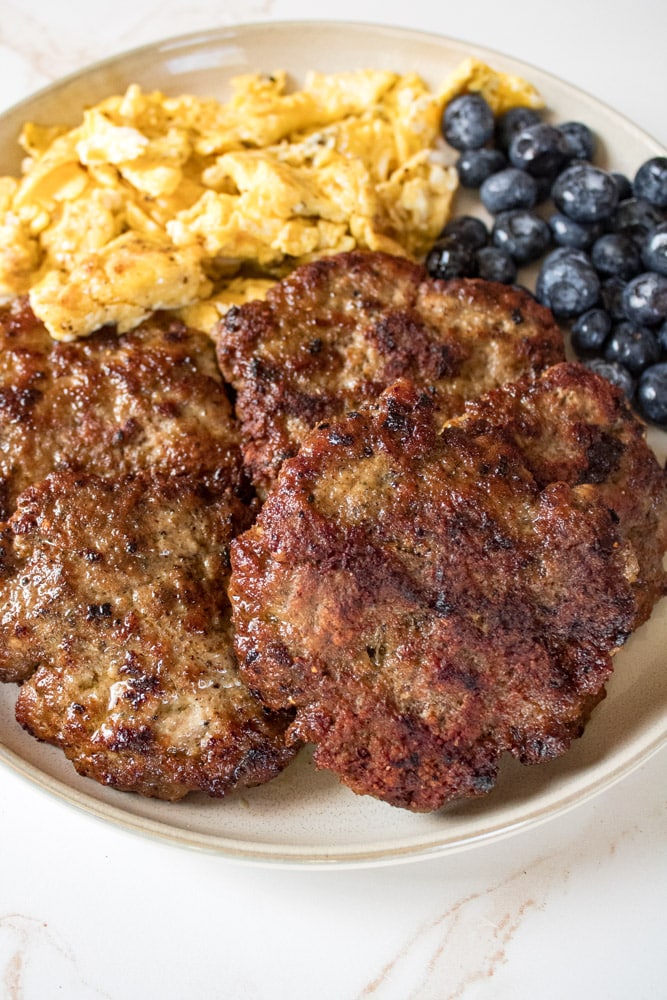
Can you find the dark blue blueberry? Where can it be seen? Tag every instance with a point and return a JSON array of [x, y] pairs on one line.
[[467, 229], [585, 193], [511, 122], [616, 254], [645, 298], [522, 233], [636, 218], [567, 283], [611, 296], [540, 149], [475, 165], [452, 258], [632, 345], [623, 184], [652, 393], [654, 250], [650, 181], [661, 337], [468, 122], [568, 233], [509, 188], [590, 331], [615, 373], [496, 265], [580, 140]]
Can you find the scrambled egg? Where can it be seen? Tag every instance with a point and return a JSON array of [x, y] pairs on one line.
[[502, 90], [190, 204]]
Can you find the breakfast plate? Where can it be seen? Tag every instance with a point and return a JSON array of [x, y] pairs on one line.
[[305, 817]]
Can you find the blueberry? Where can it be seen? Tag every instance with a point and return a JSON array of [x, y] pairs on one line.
[[496, 265], [615, 373], [568, 233], [623, 184], [652, 393], [654, 249], [650, 181], [467, 229], [616, 254], [636, 218], [522, 233], [540, 149], [590, 331], [567, 282], [475, 165], [661, 337], [645, 298], [579, 139], [611, 295], [468, 122], [585, 193], [452, 258], [632, 345], [511, 122], [509, 188]]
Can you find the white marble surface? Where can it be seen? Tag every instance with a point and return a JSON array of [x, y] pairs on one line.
[[573, 908]]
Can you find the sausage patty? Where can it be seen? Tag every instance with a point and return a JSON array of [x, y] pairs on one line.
[[336, 332], [428, 598], [121, 624], [120, 458], [109, 404]]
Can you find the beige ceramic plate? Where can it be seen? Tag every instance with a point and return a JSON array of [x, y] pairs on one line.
[[305, 816]]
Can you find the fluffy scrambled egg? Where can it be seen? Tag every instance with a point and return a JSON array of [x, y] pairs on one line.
[[190, 204], [501, 90]]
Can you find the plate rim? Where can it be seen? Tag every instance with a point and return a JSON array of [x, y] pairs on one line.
[[263, 854]]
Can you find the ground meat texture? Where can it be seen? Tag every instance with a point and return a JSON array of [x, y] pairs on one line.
[[109, 404], [340, 330], [117, 621], [428, 598]]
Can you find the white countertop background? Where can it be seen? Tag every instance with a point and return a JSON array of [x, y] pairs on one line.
[[573, 908]]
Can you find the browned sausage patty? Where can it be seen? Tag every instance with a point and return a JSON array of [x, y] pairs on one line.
[[338, 331], [429, 599], [120, 617], [110, 404]]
